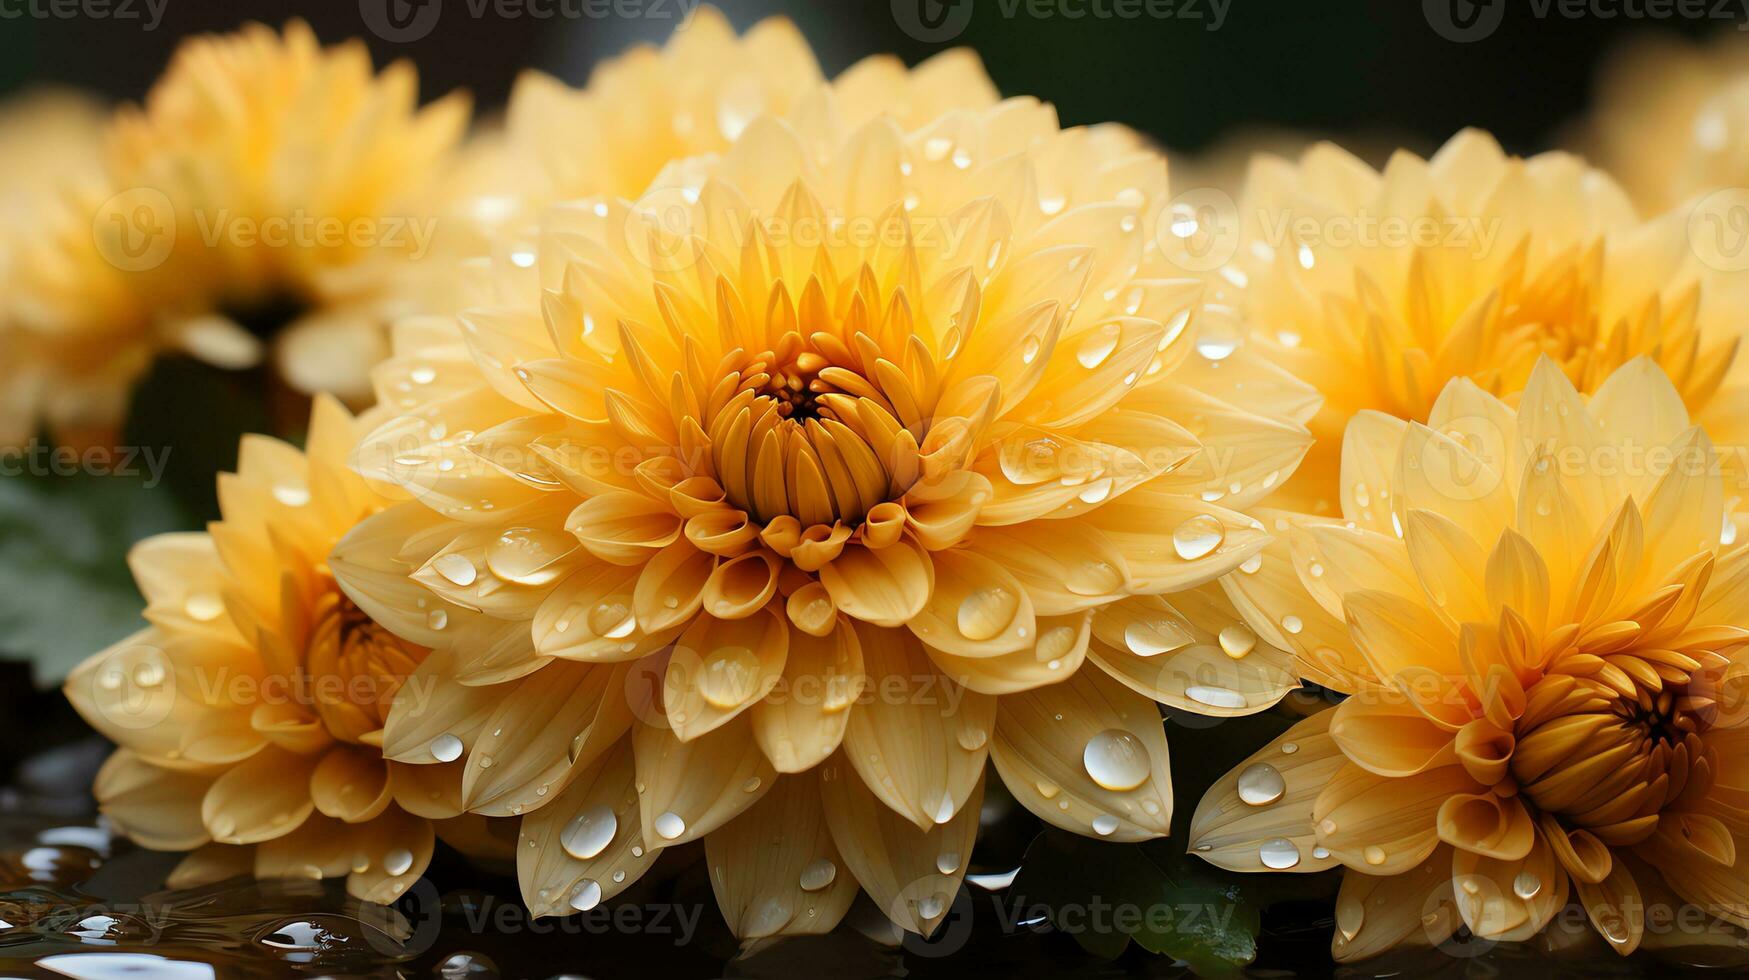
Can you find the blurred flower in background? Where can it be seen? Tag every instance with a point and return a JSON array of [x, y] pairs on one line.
[[1670, 118]]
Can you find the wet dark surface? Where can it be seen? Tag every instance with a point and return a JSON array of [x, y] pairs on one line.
[[77, 902]]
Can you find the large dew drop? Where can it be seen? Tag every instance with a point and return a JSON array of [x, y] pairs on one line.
[[587, 895], [818, 874], [1279, 853], [1197, 537], [669, 826], [589, 833], [456, 568], [729, 677], [446, 748], [985, 613], [1116, 760], [1261, 785]]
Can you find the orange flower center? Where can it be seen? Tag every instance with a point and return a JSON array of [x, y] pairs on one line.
[[807, 451], [353, 667], [1610, 752]]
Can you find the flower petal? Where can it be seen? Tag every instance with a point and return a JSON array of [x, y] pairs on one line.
[[919, 739], [1087, 755], [899, 864], [802, 721], [585, 847], [1234, 831], [775, 869]]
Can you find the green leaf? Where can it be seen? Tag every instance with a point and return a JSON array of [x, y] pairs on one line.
[[65, 589], [1105, 895]]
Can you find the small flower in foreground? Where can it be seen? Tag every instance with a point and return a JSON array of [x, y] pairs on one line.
[[249, 712], [1544, 632], [1378, 288], [838, 464]]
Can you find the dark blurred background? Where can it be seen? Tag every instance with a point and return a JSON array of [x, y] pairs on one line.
[[1323, 66]]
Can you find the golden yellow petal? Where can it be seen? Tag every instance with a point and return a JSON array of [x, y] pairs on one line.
[[775, 870], [1258, 817], [1087, 755], [584, 846], [802, 721], [918, 738], [911, 873]]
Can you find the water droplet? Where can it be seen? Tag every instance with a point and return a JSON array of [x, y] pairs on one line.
[[669, 826], [1292, 624], [437, 619], [526, 555], [729, 677], [1198, 536], [587, 895], [818, 874], [1374, 854], [1350, 915], [398, 862], [1219, 333], [1526, 885], [1278, 853], [456, 568], [945, 809], [446, 748], [1152, 637], [1104, 824], [1215, 697], [1091, 578], [986, 612], [589, 833], [1048, 790], [1261, 784], [931, 907], [1117, 760], [947, 862], [1098, 345], [1237, 640], [204, 607]]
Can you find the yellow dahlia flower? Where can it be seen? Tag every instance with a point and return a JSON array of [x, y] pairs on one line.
[[1541, 615], [840, 463], [249, 712], [1379, 288], [1671, 119], [696, 95], [270, 195]]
